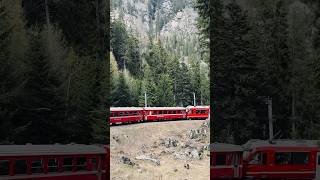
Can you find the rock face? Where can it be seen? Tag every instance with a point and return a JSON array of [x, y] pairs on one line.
[[170, 20]]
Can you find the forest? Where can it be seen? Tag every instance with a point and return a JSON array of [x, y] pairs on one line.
[[259, 50], [154, 60], [54, 71]]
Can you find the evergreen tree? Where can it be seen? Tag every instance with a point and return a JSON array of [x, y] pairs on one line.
[[118, 42], [164, 93], [6, 83], [234, 94], [132, 56], [184, 89], [149, 87], [122, 95]]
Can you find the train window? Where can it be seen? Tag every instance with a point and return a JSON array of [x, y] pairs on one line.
[[4, 167], [94, 164], [221, 159], [67, 164], [121, 114], [282, 158], [52, 165], [259, 158], [21, 167], [36, 166], [300, 158], [81, 163]]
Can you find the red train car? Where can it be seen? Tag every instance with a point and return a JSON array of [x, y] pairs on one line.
[[53, 162], [282, 159], [198, 112], [126, 114], [164, 113], [226, 161]]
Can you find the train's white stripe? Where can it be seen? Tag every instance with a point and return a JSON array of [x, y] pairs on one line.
[[281, 172], [223, 167], [51, 175]]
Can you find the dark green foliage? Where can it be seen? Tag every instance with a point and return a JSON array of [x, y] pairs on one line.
[[121, 97], [233, 78], [132, 56], [274, 53], [118, 42], [50, 93]]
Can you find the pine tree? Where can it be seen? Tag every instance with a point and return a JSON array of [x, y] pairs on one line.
[[149, 87], [164, 93], [118, 42], [273, 55], [122, 95], [6, 83], [184, 89], [132, 56], [234, 84]]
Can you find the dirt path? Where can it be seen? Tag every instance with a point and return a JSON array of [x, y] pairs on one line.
[[170, 151]]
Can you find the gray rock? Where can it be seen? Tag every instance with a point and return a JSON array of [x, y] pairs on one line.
[[195, 154], [126, 160], [145, 157]]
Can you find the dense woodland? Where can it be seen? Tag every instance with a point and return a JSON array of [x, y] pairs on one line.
[[263, 49], [54, 72], [168, 70]]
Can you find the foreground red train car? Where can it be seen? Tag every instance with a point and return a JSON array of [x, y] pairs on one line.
[[280, 159], [54, 162], [226, 161], [121, 115]]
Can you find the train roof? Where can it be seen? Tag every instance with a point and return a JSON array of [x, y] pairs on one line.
[[164, 108], [126, 109], [56, 149], [198, 107], [223, 147], [256, 143]]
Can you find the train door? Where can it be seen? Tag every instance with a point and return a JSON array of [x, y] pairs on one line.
[[318, 167], [237, 167]]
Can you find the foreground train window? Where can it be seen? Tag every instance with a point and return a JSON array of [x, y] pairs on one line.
[[81, 163], [21, 167], [67, 164], [37, 166], [292, 158], [259, 158], [94, 164], [4, 167], [300, 158], [52, 165], [221, 160]]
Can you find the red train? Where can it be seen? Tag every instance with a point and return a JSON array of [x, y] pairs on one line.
[[257, 159], [120, 115], [54, 162]]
